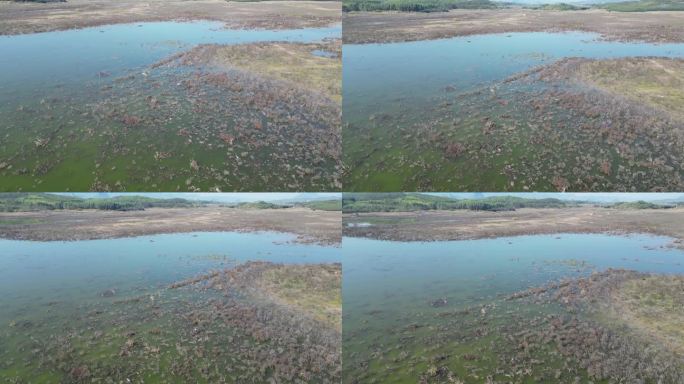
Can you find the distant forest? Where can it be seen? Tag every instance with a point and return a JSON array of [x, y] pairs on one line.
[[12, 202], [389, 202], [407, 202], [18, 202], [321, 205]]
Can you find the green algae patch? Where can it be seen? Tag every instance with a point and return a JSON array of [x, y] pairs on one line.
[[656, 82]]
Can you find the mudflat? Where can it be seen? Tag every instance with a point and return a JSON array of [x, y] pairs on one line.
[[384, 27], [22, 17], [309, 226], [465, 225]]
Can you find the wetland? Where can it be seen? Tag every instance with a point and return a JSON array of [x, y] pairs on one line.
[[248, 306], [435, 104], [513, 288], [562, 308], [168, 103]]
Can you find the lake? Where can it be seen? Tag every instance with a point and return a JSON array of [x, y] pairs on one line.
[[88, 109], [386, 78], [33, 64], [70, 305], [411, 305], [415, 116]]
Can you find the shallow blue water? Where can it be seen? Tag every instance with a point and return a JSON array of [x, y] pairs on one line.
[[378, 76], [390, 274], [52, 58], [322, 53], [45, 271]]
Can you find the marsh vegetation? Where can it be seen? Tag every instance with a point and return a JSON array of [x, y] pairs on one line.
[[171, 308], [164, 116], [517, 309], [513, 117]]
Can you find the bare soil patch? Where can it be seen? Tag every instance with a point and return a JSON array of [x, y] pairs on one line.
[[308, 225], [464, 225], [17, 18], [383, 27]]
